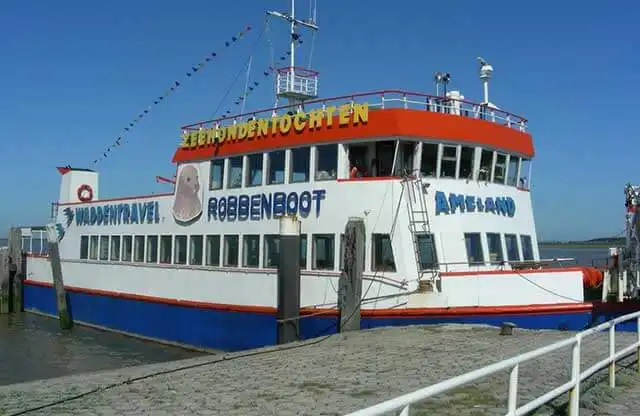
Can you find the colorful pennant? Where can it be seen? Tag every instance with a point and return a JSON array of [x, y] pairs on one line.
[[119, 141]]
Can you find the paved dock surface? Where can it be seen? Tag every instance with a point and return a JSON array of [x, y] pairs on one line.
[[334, 376]]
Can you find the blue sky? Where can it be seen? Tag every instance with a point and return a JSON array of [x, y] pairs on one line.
[[74, 73]]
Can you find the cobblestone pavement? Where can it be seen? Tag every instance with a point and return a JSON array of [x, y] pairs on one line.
[[337, 375]]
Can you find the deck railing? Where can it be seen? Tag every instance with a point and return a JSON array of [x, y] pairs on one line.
[[403, 403], [381, 100]]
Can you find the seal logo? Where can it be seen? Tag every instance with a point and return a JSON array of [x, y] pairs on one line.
[[187, 205]]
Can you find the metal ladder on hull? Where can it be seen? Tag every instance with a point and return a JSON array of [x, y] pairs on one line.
[[416, 191]]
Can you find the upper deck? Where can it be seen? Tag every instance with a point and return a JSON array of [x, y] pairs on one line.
[[373, 115]]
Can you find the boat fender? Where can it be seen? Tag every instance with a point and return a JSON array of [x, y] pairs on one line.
[[85, 193]]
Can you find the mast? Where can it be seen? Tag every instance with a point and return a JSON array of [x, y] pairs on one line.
[[296, 84]]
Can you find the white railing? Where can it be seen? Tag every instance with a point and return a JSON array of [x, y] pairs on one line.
[[404, 402]]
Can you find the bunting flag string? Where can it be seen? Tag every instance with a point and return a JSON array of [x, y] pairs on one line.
[[120, 139]]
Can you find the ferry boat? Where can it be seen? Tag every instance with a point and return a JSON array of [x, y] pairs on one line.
[[442, 183]]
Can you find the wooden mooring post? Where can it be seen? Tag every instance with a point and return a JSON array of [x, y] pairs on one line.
[[4, 280], [350, 284], [66, 321], [289, 281], [11, 274]]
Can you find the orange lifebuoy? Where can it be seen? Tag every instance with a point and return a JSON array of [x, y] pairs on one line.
[[85, 193]]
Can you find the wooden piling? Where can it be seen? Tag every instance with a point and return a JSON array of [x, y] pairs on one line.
[[289, 281], [16, 272], [4, 280], [66, 321], [350, 284]]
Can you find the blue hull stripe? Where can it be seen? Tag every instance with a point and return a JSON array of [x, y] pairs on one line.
[[231, 331]]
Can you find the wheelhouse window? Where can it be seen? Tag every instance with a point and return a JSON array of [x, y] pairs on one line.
[[250, 250], [213, 250], [511, 241], [408, 150], [231, 250], [512, 172], [326, 162], [525, 168], [93, 247], [473, 242], [448, 162], [152, 249], [300, 162], [195, 250], [276, 161], [127, 246], [486, 160], [166, 244], [180, 250], [429, 159], [235, 172], [254, 176], [84, 247], [323, 251], [467, 156], [495, 248], [427, 252], [216, 175], [115, 248], [527, 247], [138, 248], [501, 167], [104, 247], [382, 256]]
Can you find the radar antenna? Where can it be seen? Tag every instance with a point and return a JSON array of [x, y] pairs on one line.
[[485, 75]]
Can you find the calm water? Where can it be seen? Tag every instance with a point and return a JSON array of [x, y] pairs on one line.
[[33, 347]]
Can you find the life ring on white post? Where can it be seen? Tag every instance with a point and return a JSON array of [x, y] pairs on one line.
[[85, 193]]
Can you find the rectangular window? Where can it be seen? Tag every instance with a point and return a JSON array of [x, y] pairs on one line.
[[195, 250], [512, 173], [213, 250], [486, 160], [104, 247], [166, 249], [501, 167], [152, 249], [475, 255], [303, 251], [138, 248], [180, 250], [271, 251], [276, 167], [495, 248], [115, 248], [127, 246], [326, 162], [448, 164], [231, 250], [300, 162], [429, 159], [217, 174], [467, 156], [93, 247], [523, 180], [513, 254], [323, 251], [427, 252], [527, 247], [254, 174], [408, 150], [235, 172], [382, 258], [250, 250], [84, 247]]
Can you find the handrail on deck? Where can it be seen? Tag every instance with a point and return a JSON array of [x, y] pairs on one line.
[[386, 99], [403, 403]]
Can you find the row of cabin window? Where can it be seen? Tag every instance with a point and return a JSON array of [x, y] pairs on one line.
[[207, 250], [435, 160], [475, 251]]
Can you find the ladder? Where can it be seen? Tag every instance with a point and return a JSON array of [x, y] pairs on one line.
[[416, 191]]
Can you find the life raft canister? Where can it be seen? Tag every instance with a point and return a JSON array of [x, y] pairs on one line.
[[85, 193]]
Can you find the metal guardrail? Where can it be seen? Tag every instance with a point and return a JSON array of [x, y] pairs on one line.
[[403, 403]]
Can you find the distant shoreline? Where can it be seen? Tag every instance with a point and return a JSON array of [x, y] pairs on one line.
[[577, 245]]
